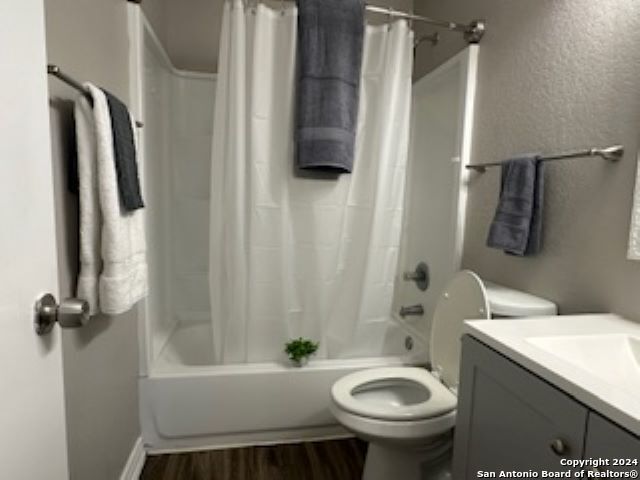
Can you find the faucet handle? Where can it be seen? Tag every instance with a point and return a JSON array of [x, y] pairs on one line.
[[420, 275], [414, 310]]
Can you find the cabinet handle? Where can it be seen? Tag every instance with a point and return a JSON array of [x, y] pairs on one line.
[[558, 447]]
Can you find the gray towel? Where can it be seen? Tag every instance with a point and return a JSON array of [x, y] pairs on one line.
[[124, 149], [517, 224], [330, 37]]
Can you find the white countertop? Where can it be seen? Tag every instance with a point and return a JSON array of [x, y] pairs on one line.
[[509, 337]]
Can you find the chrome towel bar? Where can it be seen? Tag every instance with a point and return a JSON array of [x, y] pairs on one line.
[[613, 154], [59, 74]]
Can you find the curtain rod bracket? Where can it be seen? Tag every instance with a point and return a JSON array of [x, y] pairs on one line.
[[472, 32], [475, 31]]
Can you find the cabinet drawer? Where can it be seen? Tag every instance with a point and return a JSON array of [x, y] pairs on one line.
[[508, 418]]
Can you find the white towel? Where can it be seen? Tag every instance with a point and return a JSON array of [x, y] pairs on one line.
[[113, 266]]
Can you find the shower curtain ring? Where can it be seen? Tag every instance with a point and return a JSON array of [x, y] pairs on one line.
[[389, 17], [282, 7]]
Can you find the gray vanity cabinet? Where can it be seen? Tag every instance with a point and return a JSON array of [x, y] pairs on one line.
[[607, 440], [509, 419]]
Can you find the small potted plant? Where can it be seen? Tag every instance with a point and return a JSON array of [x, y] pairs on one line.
[[299, 350]]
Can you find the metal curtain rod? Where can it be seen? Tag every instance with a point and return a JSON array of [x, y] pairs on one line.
[[58, 73], [613, 154], [473, 32]]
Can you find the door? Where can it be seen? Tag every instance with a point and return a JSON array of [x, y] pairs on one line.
[[32, 421]]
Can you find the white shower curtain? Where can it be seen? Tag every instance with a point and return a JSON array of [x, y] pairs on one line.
[[298, 256]]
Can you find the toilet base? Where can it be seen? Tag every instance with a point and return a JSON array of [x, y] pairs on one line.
[[384, 462]]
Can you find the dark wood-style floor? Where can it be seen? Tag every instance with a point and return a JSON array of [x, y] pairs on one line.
[[329, 460]]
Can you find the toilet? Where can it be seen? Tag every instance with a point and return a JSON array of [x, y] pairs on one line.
[[407, 414]]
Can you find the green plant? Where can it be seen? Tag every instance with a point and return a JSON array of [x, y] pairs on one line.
[[300, 349]]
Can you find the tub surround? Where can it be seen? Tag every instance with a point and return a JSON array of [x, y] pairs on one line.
[[530, 343], [177, 107]]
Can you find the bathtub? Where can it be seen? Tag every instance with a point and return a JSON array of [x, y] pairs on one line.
[[189, 404]]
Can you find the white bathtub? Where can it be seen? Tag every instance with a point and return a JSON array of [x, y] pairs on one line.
[[188, 404]]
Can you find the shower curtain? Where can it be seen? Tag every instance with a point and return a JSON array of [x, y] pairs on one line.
[[294, 255]]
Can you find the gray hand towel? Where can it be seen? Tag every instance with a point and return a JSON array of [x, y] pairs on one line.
[[330, 37], [124, 148], [517, 224]]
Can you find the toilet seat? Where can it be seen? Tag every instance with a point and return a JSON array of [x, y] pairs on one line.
[[370, 393], [408, 414], [464, 298]]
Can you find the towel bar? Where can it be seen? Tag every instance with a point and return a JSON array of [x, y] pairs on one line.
[[58, 73], [613, 154]]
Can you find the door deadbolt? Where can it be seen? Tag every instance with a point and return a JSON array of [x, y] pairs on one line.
[[70, 313]]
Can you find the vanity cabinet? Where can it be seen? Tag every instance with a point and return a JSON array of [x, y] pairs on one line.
[[510, 419], [606, 440]]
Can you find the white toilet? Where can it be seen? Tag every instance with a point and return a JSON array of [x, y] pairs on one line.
[[407, 414]]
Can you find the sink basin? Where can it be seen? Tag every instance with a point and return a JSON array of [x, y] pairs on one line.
[[614, 358]]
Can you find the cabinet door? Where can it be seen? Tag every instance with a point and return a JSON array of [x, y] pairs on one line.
[[510, 419], [606, 440]]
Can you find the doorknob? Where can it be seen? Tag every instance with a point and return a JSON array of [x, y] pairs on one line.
[[71, 313]]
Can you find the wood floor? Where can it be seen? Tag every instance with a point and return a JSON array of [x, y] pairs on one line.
[[329, 460]]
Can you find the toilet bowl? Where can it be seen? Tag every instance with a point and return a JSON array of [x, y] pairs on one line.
[[407, 414]]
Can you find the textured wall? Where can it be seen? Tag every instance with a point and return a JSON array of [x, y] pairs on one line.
[[156, 12], [100, 360], [190, 32], [554, 75]]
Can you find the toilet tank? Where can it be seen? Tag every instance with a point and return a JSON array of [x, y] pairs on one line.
[[508, 303]]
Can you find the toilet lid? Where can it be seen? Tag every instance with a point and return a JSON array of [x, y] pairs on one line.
[[464, 298], [393, 393]]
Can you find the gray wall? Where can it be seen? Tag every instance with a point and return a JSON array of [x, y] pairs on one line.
[[190, 32], [89, 40], [554, 75], [156, 12]]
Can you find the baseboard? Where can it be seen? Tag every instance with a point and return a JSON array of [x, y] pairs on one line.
[[135, 462]]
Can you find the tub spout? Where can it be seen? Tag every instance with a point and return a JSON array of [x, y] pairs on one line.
[[415, 310]]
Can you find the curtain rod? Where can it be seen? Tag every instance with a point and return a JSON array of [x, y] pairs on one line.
[[472, 32], [59, 74], [613, 154]]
